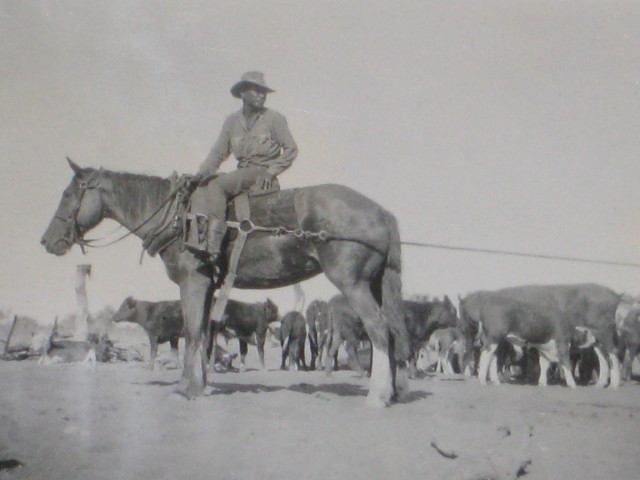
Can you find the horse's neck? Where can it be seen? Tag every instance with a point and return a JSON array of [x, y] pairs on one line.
[[133, 199]]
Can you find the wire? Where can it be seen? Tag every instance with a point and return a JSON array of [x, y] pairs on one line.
[[521, 254]]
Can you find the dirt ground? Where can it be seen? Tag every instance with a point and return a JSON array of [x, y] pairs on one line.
[[120, 421]]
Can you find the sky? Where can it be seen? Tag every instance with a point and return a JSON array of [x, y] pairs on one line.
[[494, 125]]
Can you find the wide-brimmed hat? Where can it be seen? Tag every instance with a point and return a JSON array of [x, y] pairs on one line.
[[250, 78]]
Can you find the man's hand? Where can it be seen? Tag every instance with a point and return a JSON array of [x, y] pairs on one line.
[[196, 179], [264, 180]]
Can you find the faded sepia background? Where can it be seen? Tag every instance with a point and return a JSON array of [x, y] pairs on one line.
[[495, 124]]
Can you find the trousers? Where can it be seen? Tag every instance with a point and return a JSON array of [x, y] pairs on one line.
[[211, 201]]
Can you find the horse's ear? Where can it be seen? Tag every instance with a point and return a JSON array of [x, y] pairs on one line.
[[74, 166]]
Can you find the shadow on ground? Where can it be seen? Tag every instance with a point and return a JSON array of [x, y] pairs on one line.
[[337, 389]]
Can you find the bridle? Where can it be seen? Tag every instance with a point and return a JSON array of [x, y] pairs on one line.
[[93, 183], [89, 184]]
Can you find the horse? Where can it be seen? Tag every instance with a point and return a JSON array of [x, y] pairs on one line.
[[359, 253]]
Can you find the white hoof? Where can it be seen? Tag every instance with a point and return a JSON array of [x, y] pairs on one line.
[[375, 402]]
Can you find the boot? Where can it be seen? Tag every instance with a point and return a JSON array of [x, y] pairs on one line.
[[216, 230], [205, 238], [197, 227]]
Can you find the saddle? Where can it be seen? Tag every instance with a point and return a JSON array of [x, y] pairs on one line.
[[266, 209]]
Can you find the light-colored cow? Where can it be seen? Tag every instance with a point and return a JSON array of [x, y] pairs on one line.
[[443, 348]]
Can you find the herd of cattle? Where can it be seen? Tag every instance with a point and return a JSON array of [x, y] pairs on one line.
[[516, 333]]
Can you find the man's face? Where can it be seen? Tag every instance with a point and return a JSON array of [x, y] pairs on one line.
[[254, 96]]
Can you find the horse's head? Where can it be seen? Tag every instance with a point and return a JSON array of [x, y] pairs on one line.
[[79, 210]]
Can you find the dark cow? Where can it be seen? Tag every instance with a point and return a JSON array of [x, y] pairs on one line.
[[246, 320], [422, 318], [425, 317], [317, 317], [292, 337], [163, 322]]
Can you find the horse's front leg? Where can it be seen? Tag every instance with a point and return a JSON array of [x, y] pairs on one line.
[[195, 299]]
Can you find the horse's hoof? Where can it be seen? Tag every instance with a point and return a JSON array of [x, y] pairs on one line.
[[402, 387], [189, 392], [178, 396], [375, 402]]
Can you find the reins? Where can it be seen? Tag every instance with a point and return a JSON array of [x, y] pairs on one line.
[[180, 186], [169, 198]]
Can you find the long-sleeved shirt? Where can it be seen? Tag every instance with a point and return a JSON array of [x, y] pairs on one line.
[[267, 143]]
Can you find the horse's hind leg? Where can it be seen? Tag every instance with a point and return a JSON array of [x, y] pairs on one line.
[[363, 303]]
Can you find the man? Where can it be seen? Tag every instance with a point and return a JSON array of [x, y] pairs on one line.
[[260, 140]]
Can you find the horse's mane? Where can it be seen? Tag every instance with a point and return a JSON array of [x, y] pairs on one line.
[[139, 193]]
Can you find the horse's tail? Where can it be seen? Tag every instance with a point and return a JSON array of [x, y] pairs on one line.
[[392, 306]]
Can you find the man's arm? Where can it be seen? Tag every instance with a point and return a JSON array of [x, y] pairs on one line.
[[289, 149], [219, 152]]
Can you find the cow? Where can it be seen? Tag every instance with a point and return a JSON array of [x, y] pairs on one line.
[[75, 351], [523, 324], [292, 339], [317, 317], [344, 326], [246, 320], [588, 311], [443, 349], [422, 318], [163, 322], [222, 359], [629, 340], [626, 304]]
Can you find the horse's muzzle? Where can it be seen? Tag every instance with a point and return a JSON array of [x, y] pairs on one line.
[[59, 247]]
